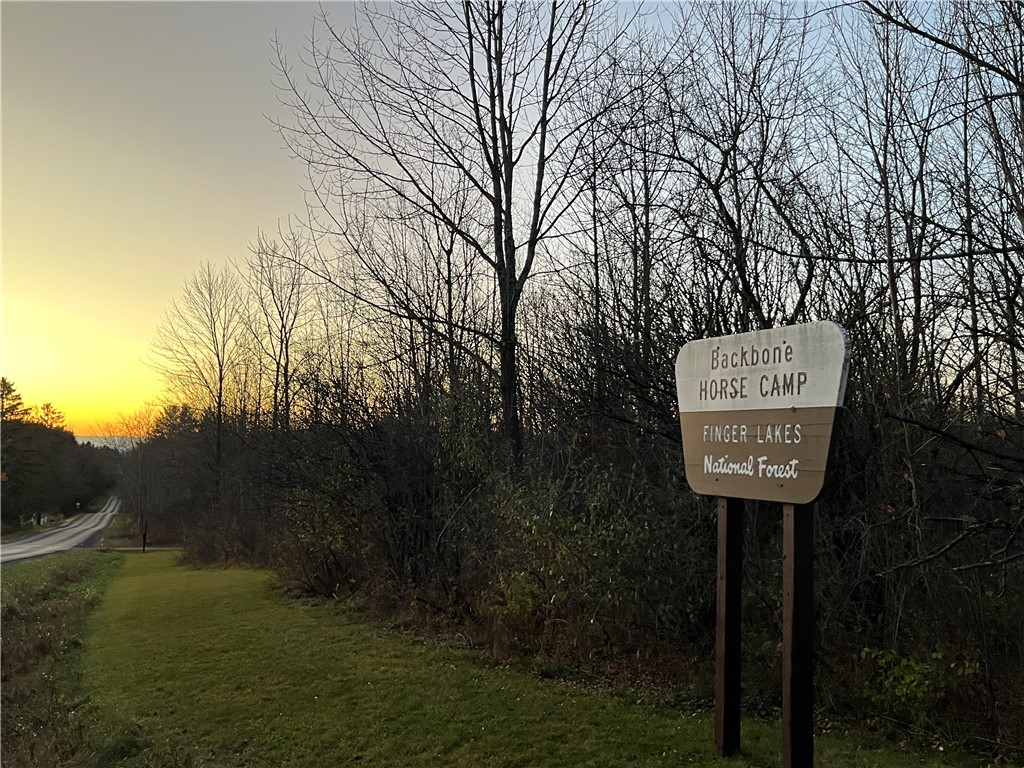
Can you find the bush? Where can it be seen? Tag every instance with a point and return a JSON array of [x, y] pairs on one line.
[[921, 689], [43, 608]]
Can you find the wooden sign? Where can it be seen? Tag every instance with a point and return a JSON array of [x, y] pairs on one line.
[[756, 410]]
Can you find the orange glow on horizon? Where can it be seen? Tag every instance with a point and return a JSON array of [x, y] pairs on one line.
[[88, 414], [111, 202], [88, 371]]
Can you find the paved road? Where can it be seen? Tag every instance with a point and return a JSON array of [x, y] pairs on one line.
[[79, 531]]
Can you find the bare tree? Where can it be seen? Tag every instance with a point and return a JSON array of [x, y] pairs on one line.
[[986, 40], [737, 106], [278, 307], [475, 92], [128, 434], [197, 348]]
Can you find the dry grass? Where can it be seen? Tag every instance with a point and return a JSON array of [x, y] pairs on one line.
[[44, 605]]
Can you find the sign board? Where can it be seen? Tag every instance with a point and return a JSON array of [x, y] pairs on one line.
[[756, 410]]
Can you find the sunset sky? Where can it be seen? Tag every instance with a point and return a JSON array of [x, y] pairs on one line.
[[136, 145]]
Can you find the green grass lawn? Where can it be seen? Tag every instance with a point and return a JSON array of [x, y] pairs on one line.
[[217, 668]]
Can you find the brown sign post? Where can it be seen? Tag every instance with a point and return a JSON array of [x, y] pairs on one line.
[[756, 412]]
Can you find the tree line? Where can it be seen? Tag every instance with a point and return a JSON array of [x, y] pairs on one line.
[[449, 389], [45, 473]]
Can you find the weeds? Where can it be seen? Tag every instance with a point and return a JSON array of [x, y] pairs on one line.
[[44, 607]]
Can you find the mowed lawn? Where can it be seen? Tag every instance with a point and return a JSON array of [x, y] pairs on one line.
[[214, 667]]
